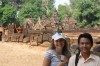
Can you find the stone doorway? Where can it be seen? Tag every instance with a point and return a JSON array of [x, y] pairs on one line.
[[0, 36]]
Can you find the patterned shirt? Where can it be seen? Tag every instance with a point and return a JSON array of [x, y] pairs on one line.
[[93, 60], [55, 57]]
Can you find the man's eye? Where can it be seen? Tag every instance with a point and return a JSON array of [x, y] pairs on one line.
[[85, 43]]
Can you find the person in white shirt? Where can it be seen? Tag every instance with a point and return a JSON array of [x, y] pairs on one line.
[[84, 57]]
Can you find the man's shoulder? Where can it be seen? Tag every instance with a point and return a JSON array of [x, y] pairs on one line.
[[95, 57], [73, 57]]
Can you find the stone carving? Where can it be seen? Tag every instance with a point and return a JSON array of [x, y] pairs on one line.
[[29, 23]]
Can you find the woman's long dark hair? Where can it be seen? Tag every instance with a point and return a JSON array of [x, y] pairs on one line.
[[65, 48]]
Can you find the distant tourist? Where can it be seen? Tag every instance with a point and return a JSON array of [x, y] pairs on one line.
[[58, 54], [84, 57]]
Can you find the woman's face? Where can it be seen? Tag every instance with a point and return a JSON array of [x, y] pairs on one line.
[[59, 43], [85, 45]]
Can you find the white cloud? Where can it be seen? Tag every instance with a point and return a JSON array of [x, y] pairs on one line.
[[57, 2]]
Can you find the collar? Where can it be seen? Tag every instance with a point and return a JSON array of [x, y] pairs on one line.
[[90, 57]]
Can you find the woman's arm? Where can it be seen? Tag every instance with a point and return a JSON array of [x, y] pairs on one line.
[[61, 64], [46, 62], [64, 61]]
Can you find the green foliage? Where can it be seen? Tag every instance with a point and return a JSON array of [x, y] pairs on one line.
[[26, 8], [73, 4], [30, 10], [76, 13], [64, 10], [88, 10], [50, 8], [84, 22], [8, 14], [34, 9], [47, 7]]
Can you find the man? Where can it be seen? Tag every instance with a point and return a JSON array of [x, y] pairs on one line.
[[85, 57]]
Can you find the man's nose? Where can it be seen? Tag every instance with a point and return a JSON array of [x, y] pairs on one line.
[[84, 45]]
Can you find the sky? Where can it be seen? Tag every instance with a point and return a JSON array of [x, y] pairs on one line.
[[57, 2]]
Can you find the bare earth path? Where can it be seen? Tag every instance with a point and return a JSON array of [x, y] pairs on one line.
[[17, 54]]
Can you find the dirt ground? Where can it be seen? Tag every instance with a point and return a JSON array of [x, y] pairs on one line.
[[18, 54]]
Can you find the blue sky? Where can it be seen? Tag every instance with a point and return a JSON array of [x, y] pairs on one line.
[[57, 2]]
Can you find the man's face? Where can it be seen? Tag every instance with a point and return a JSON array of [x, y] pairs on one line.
[[85, 45]]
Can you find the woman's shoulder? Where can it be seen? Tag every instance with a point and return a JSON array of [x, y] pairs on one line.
[[51, 51]]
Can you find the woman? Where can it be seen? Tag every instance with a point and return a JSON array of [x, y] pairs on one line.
[[58, 54], [85, 57]]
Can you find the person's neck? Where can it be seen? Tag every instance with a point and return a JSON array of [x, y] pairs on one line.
[[59, 51], [85, 55]]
